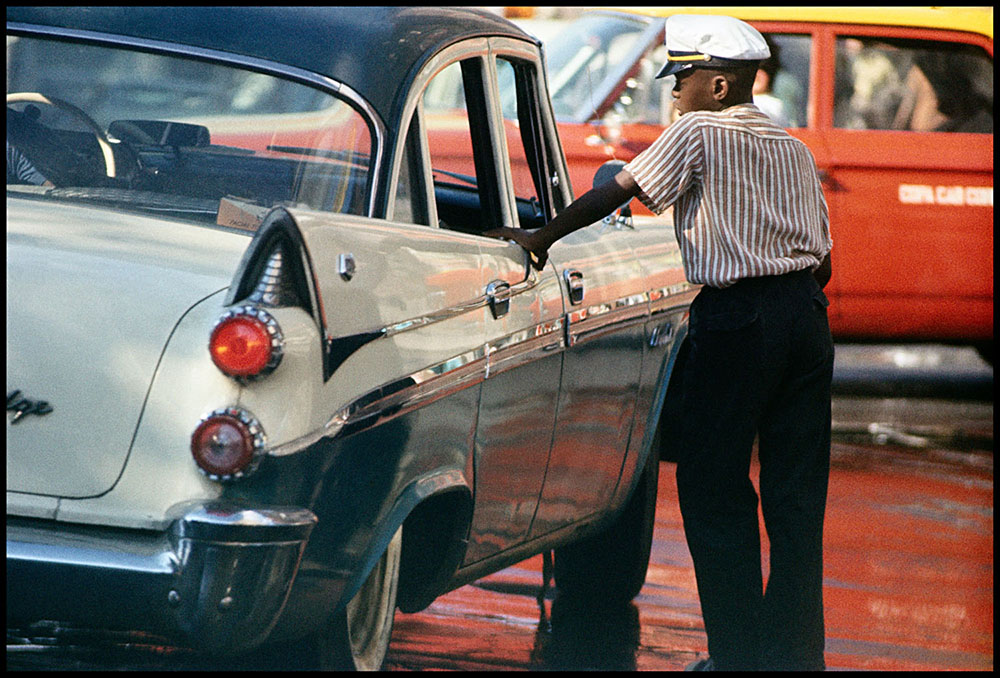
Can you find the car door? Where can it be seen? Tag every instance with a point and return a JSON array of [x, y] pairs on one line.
[[606, 306], [523, 322], [910, 135]]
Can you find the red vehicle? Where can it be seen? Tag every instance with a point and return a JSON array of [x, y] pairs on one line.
[[896, 105]]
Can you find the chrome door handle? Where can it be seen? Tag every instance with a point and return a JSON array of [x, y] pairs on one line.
[[498, 296], [574, 285]]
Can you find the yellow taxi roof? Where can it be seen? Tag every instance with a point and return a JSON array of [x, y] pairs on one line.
[[971, 19]]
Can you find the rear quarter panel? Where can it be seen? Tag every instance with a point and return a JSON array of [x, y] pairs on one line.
[[160, 472]]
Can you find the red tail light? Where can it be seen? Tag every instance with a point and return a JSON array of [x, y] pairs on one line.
[[228, 444], [246, 343]]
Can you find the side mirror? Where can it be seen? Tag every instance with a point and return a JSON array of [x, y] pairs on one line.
[[622, 216]]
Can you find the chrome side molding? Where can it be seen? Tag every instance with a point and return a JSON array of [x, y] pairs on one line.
[[472, 367]]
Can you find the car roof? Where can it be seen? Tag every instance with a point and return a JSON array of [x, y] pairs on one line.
[[373, 50], [970, 19]]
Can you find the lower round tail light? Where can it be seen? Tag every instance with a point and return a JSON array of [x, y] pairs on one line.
[[228, 444]]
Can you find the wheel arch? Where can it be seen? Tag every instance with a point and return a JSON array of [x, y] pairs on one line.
[[435, 512], [435, 537]]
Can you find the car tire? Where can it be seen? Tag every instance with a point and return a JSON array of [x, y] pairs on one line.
[[357, 639], [609, 568]]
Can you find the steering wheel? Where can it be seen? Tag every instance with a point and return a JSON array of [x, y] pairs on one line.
[[107, 152]]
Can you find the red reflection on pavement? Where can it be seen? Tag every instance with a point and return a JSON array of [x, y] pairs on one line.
[[908, 583]]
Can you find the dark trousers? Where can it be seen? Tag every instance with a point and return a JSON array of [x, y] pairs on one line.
[[759, 364]]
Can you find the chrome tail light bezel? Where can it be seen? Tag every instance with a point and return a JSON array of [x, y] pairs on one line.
[[277, 339], [256, 433]]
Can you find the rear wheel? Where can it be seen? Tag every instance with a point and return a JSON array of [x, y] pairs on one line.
[[610, 567], [358, 637]]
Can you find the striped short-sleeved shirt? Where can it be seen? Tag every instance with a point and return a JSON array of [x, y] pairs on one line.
[[747, 199]]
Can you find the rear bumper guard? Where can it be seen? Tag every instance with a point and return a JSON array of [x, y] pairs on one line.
[[218, 578]]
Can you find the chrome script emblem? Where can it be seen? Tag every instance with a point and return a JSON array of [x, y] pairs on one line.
[[21, 406]]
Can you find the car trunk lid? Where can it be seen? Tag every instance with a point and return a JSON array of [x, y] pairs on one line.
[[92, 297]]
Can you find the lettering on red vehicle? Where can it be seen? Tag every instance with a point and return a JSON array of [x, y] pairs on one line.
[[960, 196]]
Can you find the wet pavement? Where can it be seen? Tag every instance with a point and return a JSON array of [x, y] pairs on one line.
[[908, 555], [908, 547], [908, 583]]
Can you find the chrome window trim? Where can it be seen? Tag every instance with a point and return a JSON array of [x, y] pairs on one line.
[[426, 175], [527, 52], [476, 47], [501, 159], [331, 86]]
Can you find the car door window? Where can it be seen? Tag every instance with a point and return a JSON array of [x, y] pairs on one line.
[[530, 163], [914, 85], [460, 148]]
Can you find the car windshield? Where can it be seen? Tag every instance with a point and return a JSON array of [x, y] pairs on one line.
[[586, 52], [154, 132]]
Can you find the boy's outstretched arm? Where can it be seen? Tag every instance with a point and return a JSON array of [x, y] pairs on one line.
[[590, 207]]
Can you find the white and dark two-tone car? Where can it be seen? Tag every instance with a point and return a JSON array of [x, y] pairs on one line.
[[266, 378]]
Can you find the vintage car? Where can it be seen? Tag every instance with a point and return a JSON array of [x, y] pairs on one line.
[[896, 105], [267, 380]]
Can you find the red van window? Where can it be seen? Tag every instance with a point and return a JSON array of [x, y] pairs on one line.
[[781, 88], [915, 85]]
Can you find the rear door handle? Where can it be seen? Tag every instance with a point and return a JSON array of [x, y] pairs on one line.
[[574, 285], [498, 296]]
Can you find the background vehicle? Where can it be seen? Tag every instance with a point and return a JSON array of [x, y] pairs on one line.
[[896, 105], [267, 380]]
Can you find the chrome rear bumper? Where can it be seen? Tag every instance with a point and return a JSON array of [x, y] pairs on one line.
[[217, 579]]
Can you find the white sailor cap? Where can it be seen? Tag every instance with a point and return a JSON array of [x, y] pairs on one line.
[[710, 41]]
